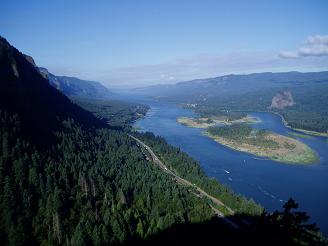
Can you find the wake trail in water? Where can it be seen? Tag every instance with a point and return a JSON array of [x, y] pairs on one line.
[[269, 194]]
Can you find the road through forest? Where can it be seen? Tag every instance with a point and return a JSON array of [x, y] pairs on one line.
[[183, 181]]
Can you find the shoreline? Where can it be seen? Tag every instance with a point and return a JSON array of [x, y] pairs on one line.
[[204, 123], [309, 132], [303, 155], [308, 156]]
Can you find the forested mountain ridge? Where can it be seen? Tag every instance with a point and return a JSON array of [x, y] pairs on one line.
[[255, 92], [25, 92], [233, 84], [74, 87], [67, 178]]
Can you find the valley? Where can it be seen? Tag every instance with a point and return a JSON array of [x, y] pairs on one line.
[[102, 175], [163, 123], [300, 98], [85, 178], [268, 182]]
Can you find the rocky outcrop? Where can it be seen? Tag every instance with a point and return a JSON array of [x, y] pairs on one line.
[[282, 100], [30, 59]]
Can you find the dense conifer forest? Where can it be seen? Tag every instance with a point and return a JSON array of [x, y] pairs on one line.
[[115, 113], [69, 178], [188, 168], [92, 186]]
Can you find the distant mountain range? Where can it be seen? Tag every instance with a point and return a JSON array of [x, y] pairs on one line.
[[306, 106], [68, 178], [74, 87], [205, 89]]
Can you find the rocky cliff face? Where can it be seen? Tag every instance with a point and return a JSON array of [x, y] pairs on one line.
[[71, 86], [40, 107], [30, 60], [281, 100]]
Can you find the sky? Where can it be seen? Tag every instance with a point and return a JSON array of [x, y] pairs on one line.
[[137, 43]]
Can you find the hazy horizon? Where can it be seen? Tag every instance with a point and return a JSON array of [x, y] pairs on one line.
[[190, 122], [134, 44]]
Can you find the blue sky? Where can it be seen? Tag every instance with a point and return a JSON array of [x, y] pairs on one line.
[[134, 43]]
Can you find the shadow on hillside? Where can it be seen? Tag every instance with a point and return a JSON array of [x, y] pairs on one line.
[[213, 232]]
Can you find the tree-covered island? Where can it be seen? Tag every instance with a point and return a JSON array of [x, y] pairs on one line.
[[263, 143]]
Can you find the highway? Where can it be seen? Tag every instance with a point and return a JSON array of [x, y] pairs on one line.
[[180, 180]]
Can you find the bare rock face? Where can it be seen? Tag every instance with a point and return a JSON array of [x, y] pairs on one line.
[[281, 100]]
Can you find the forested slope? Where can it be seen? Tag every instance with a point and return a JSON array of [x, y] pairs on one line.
[[254, 92], [68, 178], [189, 169], [93, 186], [115, 113]]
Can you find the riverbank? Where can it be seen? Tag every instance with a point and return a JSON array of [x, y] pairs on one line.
[[205, 122], [313, 133], [269, 145], [284, 121], [278, 179], [275, 147], [299, 135]]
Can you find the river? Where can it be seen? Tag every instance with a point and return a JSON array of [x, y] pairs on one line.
[[268, 182]]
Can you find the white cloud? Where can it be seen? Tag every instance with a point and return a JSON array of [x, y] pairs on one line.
[[208, 65], [317, 39], [315, 46], [288, 54]]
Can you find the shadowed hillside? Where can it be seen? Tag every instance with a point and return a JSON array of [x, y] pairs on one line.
[[69, 179], [25, 92]]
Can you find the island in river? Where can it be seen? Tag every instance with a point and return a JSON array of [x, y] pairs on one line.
[[238, 135], [205, 122]]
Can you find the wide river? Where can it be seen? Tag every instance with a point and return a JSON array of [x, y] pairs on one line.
[[268, 182]]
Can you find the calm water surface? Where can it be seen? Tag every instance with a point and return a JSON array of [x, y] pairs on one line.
[[268, 182]]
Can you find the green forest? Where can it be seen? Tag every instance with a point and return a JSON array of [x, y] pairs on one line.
[[116, 113], [97, 187], [254, 92], [245, 134], [91, 187], [70, 178], [310, 111], [189, 169]]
